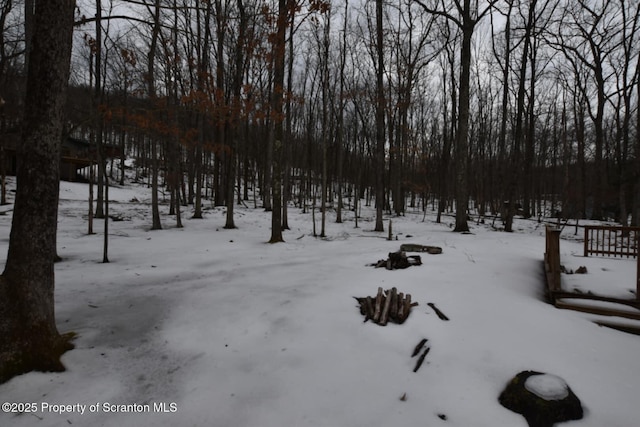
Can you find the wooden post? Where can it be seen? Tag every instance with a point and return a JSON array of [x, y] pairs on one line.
[[555, 241], [552, 257], [586, 241]]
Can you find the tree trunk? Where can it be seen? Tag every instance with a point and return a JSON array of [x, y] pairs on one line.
[[341, 146], [175, 165], [29, 17], [30, 339], [462, 141], [277, 126], [517, 162], [324, 60], [380, 135], [203, 67], [288, 129], [155, 210], [97, 100], [502, 139], [237, 100], [635, 214]]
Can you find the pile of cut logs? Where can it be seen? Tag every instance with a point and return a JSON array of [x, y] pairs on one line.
[[387, 306]]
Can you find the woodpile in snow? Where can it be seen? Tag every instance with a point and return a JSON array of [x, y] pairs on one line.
[[387, 306], [398, 260]]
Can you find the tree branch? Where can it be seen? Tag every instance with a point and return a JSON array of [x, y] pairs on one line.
[[439, 13], [86, 20]]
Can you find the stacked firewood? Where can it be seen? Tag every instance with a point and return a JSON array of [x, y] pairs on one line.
[[387, 306]]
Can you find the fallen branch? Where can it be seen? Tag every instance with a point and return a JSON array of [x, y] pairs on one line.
[[440, 314], [421, 359], [419, 347]]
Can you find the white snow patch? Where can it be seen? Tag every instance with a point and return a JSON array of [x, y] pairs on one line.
[[547, 386], [239, 333]]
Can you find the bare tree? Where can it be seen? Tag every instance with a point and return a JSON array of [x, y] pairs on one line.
[[276, 133], [202, 70], [587, 35], [380, 110], [468, 15], [622, 103], [340, 112], [502, 138], [449, 119], [236, 89], [324, 45], [151, 92], [635, 216]]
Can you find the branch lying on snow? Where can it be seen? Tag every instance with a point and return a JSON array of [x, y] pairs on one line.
[[421, 359], [440, 314], [419, 347]]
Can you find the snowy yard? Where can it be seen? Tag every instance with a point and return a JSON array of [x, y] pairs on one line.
[[203, 326]]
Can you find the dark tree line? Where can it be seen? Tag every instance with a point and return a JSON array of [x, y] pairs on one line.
[[498, 108]]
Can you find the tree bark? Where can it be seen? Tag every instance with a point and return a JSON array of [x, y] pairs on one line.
[[155, 210], [462, 141], [99, 124], [203, 67], [277, 125], [380, 134], [504, 109], [30, 338], [324, 60], [237, 101]]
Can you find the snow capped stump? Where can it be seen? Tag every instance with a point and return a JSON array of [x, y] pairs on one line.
[[547, 386], [543, 399]]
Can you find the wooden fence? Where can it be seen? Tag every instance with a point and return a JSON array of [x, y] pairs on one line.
[[611, 241], [553, 270], [614, 241]]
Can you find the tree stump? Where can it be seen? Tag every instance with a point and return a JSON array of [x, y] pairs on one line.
[[542, 399]]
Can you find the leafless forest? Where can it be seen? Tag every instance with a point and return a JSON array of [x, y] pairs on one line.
[[482, 108]]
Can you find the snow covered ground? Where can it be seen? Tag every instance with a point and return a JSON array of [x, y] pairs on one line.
[[203, 326]]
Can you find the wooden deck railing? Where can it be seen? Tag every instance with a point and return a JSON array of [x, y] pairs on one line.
[[614, 241], [611, 241], [562, 299]]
